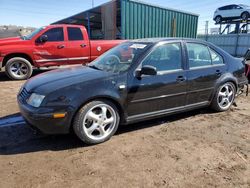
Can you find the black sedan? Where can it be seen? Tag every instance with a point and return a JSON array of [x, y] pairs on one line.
[[135, 81]]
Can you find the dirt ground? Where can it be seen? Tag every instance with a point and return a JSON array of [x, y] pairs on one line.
[[195, 149]]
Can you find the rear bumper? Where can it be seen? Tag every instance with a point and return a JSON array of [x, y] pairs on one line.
[[1, 62], [42, 118]]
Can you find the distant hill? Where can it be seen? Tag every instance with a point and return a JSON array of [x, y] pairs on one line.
[[13, 31]]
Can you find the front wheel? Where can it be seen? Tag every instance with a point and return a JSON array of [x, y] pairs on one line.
[[224, 97], [18, 68], [218, 19], [96, 122]]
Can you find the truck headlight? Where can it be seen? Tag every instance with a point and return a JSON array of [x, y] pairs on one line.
[[35, 100]]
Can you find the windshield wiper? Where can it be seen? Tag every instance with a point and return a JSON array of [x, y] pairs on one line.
[[94, 67]]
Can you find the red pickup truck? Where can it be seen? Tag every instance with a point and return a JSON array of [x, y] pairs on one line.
[[54, 45]]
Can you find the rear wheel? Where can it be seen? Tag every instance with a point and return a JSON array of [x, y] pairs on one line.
[[96, 122], [224, 97], [245, 16], [18, 68]]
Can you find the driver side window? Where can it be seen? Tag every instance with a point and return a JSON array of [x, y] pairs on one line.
[[165, 57], [55, 34]]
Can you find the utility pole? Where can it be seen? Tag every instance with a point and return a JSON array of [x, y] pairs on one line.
[[206, 28], [92, 3]]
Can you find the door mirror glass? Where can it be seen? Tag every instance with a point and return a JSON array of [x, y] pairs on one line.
[[43, 38], [146, 70]]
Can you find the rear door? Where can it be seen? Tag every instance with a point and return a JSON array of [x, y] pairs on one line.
[[236, 11], [164, 91], [205, 68], [78, 49], [51, 52]]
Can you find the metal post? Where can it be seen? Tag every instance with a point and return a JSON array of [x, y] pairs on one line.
[[206, 28], [89, 26], [236, 45], [237, 27]]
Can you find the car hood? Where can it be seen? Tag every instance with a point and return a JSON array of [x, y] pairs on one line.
[[11, 40], [53, 80]]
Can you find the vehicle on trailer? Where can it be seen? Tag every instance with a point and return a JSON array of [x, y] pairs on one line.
[[54, 45], [135, 81], [230, 12]]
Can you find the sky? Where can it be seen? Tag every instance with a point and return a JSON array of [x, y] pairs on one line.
[[37, 13]]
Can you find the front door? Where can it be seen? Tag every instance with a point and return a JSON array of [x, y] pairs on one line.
[[51, 52], [165, 91]]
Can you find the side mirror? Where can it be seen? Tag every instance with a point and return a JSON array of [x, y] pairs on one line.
[[247, 55], [43, 38], [146, 70]]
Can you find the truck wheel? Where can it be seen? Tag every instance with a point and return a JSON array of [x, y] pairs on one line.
[[96, 122], [224, 97], [18, 68]]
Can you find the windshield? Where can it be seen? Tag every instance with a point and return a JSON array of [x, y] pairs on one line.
[[31, 35], [120, 58]]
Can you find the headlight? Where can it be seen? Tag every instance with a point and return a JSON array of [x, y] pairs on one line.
[[35, 100]]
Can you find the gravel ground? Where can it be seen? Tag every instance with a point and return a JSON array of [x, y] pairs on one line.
[[194, 149]]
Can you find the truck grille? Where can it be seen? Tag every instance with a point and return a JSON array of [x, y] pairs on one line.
[[24, 95]]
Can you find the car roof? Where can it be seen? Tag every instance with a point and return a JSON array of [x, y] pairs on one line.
[[156, 40], [61, 25], [228, 5]]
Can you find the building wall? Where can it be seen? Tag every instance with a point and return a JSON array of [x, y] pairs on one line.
[[141, 20], [235, 44]]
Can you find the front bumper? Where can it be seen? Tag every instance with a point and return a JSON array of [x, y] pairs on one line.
[[42, 118]]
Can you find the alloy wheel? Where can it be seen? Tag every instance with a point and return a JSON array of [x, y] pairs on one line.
[[225, 96], [244, 16], [19, 69], [218, 19], [99, 122]]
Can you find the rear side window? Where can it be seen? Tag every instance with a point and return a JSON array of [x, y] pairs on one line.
[[225, 7], [198, 55], [55, 34], [165, 57], [74, 33], [216, 58]]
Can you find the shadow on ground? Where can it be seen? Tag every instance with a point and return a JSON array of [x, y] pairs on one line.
[[21, 139]]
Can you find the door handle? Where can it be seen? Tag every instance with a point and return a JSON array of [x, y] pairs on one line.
[[218, 72], [83, 45], [180, 79], [61, 46]]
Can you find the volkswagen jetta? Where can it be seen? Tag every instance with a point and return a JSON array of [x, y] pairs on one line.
[[135, 81]]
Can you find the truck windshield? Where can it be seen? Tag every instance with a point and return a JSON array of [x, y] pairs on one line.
[[31, 35], [120, 58]]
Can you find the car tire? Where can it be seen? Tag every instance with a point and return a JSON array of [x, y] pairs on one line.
[[96, 122], [224, 97], [18, 68], [245, 16], [218, 19]]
